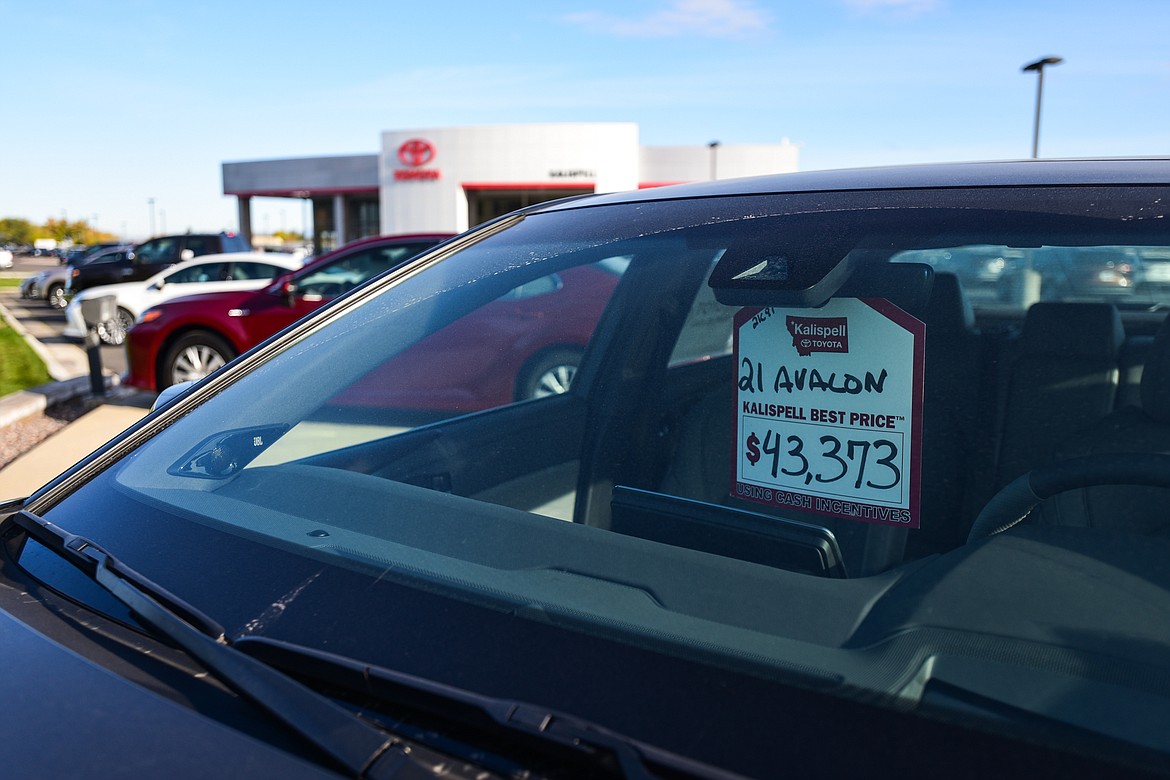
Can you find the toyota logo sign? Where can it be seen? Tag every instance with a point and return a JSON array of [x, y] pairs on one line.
[[416, 152]]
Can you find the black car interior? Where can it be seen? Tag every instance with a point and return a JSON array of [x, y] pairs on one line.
[[1002, 397]]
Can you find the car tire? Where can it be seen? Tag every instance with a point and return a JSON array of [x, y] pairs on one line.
[[194, 356], [549, 373], [113, 332], [55, 296]]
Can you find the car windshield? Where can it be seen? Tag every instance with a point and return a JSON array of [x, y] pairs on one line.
[[159, 250], [661, 463]]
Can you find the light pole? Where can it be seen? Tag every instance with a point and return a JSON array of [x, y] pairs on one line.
[[713, 146], [1038, 66], [150, 202]]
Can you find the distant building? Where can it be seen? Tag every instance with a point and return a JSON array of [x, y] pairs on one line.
[[448, 179]]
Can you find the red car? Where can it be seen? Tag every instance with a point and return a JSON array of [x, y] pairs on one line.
[[525, 344], [188, 338], [490, 357]]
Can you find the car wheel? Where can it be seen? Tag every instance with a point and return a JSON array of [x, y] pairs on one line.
[[113, 332], [193, 357], [550, 373], [55, 296]]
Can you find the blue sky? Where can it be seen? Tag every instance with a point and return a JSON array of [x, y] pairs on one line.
[[111, 104]]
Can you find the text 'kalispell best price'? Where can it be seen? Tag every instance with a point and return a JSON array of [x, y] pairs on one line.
[[830, 416]]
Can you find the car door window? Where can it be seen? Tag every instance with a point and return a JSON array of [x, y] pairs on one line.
[[111, 257], [242, 271], [335, 278], [348, 271], [204, 272]]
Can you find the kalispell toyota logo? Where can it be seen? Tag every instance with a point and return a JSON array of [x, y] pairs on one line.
[[416, 152], [818, 334]]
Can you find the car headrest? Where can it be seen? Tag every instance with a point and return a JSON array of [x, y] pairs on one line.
[[1073, 330], [947, 309]]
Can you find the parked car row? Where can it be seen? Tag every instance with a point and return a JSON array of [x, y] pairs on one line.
[[187, 338], [206, 274], [194, 317], [150, 257], [1129, 275], [62, 252]]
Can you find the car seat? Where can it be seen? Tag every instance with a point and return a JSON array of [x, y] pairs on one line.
[[1062, 375], [1143, 428]]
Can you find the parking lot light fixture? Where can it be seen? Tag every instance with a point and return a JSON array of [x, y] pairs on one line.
[[1038, 66]]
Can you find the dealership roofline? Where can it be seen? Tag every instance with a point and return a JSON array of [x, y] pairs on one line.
[[302, 192]]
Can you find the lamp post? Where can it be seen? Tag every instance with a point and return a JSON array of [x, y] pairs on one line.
[[713, 146], [150, 202], [1038, 66]]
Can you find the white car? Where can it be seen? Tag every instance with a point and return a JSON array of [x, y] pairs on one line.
[[5, 259], [209, 273]]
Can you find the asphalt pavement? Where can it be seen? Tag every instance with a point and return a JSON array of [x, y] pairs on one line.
[[68, 363]]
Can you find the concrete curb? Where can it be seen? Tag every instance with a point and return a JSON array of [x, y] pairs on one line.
[[23, 404]]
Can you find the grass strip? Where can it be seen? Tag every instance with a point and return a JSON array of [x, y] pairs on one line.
[[20, 367]]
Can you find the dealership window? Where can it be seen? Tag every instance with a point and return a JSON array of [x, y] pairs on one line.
[[487, 204], [363, 218]]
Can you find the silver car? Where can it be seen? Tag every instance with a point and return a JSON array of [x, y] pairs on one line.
[[50, 284]]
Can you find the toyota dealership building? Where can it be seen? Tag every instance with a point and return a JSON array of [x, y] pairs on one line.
[[451, 178]]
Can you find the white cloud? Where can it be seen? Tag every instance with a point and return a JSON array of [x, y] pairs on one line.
[[707, 18]]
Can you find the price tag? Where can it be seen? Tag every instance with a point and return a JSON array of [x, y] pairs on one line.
[[828, 409]]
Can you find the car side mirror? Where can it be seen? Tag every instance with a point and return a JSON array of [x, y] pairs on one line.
[[187, 254], [288, 292], [170, 393]]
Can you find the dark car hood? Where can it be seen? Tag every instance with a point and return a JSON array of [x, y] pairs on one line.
[[63, 716]]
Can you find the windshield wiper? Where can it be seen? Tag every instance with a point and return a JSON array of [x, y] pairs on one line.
[[358, 747], [259, 669], [502, 726]]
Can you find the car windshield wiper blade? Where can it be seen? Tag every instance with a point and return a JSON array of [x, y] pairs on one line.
[[258, 668], [499, 724], [356, 746]]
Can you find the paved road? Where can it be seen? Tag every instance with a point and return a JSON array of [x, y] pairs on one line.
[[27, 264]]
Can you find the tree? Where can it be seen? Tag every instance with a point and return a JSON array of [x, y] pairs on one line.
[[78, 232], [16, 231], [20, 231]]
